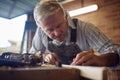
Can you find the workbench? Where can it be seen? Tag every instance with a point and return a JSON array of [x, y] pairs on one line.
[[51, 72]]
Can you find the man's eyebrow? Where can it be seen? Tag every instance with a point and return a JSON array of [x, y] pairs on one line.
[[59, 24]]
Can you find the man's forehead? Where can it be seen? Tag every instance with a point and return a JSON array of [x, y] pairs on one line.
[[52, 19]]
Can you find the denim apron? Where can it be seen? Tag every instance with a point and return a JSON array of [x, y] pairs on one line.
[[66, 53]]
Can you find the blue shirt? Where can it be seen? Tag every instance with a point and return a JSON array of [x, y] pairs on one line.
[[88, 37]]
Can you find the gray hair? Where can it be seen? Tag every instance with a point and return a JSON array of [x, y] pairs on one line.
[[46, 8]]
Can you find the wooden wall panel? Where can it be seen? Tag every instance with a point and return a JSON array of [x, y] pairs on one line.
[[106, 18]]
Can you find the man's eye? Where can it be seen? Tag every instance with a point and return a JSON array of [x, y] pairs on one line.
[[49, 30], [59, 26]]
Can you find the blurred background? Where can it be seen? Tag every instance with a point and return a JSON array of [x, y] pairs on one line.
[[17, 26]]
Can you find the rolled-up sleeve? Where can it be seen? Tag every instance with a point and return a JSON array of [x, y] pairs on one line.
[[111, 47], [97, 40]]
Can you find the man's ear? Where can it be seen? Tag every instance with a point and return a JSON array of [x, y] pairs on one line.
[[65, 15], [38, 24]]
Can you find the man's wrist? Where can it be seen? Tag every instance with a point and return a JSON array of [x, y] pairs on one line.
[[109, 59]]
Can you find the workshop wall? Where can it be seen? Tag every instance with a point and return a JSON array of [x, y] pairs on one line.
[[106, 18]]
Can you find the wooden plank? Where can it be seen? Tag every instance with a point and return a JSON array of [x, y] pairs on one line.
[[39, 73], [94, 73], [114, 74]]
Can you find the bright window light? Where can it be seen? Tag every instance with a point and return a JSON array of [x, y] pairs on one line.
[[11, 30], [83, 10]]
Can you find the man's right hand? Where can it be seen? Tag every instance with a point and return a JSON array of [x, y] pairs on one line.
[[51, 58]]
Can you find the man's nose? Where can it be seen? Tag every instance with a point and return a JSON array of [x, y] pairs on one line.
[[57, 32]]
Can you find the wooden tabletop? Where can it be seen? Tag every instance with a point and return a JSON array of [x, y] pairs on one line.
[[51, 72]]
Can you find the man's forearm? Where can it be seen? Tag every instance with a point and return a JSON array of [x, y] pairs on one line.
[[110, 59]]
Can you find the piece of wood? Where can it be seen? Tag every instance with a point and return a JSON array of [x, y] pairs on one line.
[[114, 74], [39, 73], [94, 73]]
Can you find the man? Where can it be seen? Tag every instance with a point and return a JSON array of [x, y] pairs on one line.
[[68, 40]]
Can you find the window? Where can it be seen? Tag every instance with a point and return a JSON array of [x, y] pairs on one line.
[[11, 33]]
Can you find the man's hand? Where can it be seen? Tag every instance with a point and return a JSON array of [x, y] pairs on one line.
[[88, 58], [51, 58]]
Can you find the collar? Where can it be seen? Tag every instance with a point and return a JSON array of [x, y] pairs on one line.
[[69, 19]]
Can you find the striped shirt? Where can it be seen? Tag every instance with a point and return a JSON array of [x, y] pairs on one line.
[[88, 37]]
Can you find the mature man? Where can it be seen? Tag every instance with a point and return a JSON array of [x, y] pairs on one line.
[[70, 41]]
